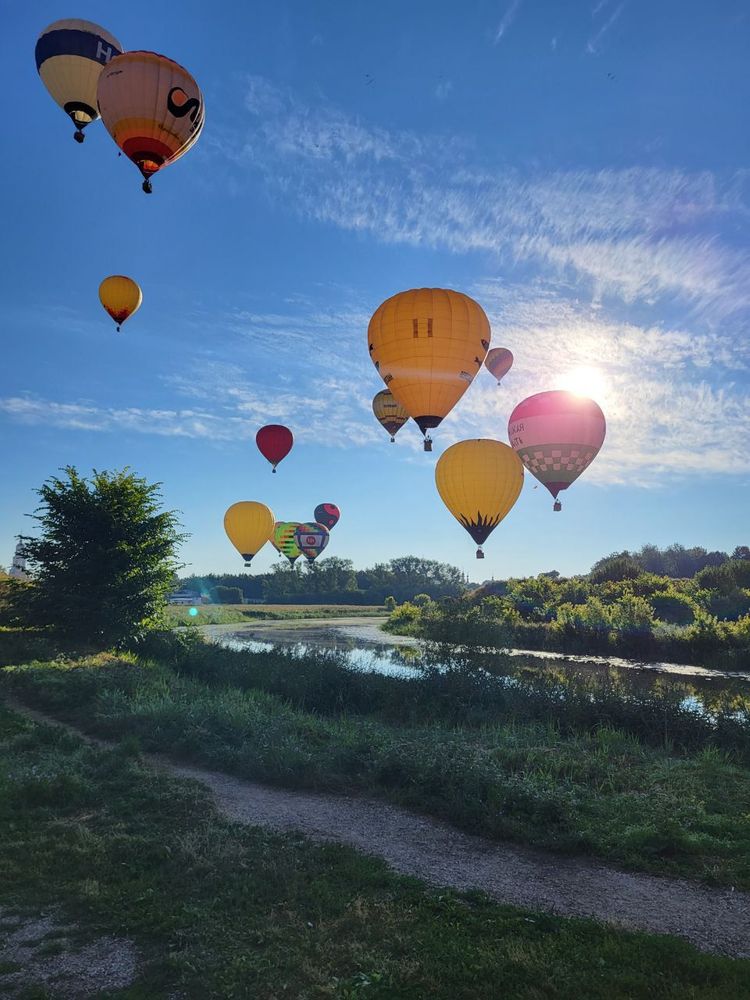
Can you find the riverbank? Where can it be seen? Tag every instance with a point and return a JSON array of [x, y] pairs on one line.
[[565, 766]]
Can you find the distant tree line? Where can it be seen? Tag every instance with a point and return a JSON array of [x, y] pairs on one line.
[[674, 561], [335, 581]]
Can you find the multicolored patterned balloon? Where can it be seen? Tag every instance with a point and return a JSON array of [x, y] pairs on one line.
[[327, 514], [283, 540], [557, 435], [311, 538]]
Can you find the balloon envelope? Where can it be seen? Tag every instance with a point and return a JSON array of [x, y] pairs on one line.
[[428, 344], [274, 442], [499, 361], [327, 514], [479, 482], [152, 108], [283, 540], [389, 412], [557, 435], [70, 55], [120, 296], [249, 525], [311, 538]]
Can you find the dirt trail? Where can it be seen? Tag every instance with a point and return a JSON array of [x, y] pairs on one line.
[[714, 920]]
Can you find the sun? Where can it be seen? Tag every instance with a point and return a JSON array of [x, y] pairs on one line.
[[585, 381]]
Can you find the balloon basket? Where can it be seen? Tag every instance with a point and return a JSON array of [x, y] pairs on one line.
[[428, 444], [480, 554], [557, 506], [78, 136]]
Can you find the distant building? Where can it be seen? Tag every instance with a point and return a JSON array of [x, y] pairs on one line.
[[18, 567], [185, 597]]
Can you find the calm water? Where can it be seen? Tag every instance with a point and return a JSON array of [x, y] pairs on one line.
[[362, 646]]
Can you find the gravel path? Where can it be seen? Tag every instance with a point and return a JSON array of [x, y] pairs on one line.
[[714, 920]]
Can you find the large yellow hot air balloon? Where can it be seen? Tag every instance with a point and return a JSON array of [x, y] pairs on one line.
[[120, 296], [152, 108], [249, 525], [428, 344], [69, 57], [479, 481]]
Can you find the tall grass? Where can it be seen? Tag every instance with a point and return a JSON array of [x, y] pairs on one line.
[[600, 791], [456, 689]]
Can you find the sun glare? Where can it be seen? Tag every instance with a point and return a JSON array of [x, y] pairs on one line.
[[585, 381]]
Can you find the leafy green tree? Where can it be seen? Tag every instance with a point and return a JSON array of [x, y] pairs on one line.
[[618, 566], [226, 595], [104, 559]]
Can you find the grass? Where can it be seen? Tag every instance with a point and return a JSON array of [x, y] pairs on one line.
[[600, 791], [223, 911], [229, 614]]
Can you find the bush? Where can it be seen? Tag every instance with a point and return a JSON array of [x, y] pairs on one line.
[[226, 595]]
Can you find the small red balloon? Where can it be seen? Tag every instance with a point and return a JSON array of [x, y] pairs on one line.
[[274, 443]]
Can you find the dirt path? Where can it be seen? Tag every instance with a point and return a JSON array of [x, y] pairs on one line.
[[715, 920]]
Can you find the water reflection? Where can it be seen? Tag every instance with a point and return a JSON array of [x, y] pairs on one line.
[[704, 693]]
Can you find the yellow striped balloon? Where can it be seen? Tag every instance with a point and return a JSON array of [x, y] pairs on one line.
[[152, 108], [120, 296], [70, 55], [479, 482]]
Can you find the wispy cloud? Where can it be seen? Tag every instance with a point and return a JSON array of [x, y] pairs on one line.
[[664, 391], [631, 233], [506, 21], [593, 45]]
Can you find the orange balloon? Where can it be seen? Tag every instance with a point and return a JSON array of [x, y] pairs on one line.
[[152, 108], [428, 344]]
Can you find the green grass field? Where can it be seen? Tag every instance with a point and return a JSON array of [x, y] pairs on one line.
[[222, 911], [307, 722], [227, 614]]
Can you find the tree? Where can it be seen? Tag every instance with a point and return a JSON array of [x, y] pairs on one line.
[[226, 595], [104, 560], [618, 566]]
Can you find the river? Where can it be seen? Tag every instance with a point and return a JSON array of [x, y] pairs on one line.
[[364, 646]]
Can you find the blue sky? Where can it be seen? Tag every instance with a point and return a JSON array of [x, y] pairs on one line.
[[581, 169]]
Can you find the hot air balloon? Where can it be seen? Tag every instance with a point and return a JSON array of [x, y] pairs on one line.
[[557, 435], [479, 481], [249, 525], [312, 538], [152, 108], [69, 57], [428, 344], [327, 514], [120, 296], [274, 442], [389, 413], [499, 362], [283, 540]]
